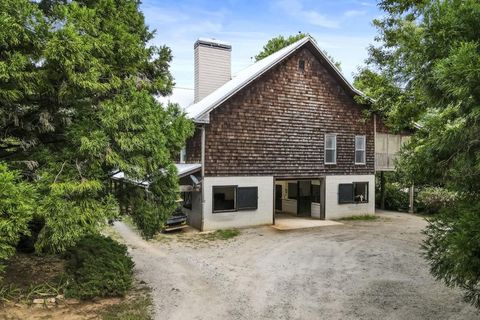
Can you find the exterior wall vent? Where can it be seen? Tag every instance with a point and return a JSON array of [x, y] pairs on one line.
[[301, 65]]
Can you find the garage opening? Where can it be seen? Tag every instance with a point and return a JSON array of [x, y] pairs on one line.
[[299, 198]]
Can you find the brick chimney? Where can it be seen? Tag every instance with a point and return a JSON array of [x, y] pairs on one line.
[[212, 66]]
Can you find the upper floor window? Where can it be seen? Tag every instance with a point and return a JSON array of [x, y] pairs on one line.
[[360, 149], [183, 155], [330, 149]]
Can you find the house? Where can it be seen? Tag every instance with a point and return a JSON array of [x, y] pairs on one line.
[[284, 135]]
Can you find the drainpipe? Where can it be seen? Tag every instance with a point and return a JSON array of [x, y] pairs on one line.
[[203, 171]]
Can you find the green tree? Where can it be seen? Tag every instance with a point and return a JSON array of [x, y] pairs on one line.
[[427, 70], [78, 81], [280, 42], [16, 210]]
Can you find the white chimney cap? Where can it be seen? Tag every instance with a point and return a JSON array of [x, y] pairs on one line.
[[212, 41]]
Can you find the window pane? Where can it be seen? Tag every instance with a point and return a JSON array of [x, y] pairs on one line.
[[224, 198], [345, 193], [360, 143], [292, 190], [247, 198], [361, 191], [330, 141], [330, 156], [359, 156]]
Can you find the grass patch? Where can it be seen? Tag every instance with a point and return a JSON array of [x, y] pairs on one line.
[[137, 308], [221, 234], [361, 217]]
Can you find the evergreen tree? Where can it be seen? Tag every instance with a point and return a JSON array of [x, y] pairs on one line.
[[78, 82], [426, 69]]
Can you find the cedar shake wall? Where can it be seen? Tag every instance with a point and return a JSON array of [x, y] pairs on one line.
[[276, 125], [194, 147]]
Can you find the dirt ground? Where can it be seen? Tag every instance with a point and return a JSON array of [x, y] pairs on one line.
[[359, 270], [30, 277]]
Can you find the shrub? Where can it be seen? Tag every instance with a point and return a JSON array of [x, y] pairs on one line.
[[147, 216], [395, 197], [98, 266], [452, 247], [434, 199]]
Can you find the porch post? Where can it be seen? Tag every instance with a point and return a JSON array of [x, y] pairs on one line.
[[382, 190]]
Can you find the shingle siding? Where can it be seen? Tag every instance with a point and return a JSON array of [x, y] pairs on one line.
[[193, 147], [276, 125]]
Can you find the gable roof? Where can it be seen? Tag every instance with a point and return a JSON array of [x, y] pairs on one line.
[[199, 111]]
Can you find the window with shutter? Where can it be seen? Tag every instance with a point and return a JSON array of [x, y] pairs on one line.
[[224, 198]]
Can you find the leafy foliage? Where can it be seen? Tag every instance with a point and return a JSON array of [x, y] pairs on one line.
[[434, 199], [396, 193], [16, 210], [98, 267], [425, 70], [453, 248], [280, 42], [78, 81]]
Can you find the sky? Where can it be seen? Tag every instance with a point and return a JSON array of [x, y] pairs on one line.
[[343, 28]]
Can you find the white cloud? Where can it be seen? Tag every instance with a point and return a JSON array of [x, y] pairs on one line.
[[354, 13], [180, 25], [295, 8]]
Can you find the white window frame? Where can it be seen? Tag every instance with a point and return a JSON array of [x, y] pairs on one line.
[[364, 161], [334, 135]]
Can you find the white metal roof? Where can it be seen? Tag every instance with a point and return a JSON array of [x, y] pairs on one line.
[[121, 176], [183, 169], [187, 168], [199, 111]]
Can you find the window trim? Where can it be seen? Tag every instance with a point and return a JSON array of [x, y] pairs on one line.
[[364, 150], [325, 148], [235, 198], [353, 193]]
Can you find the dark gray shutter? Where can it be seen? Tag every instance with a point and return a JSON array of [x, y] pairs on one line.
[[345, 193], [247, 198]]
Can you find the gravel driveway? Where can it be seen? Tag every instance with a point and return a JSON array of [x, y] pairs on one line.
[[360, 270]]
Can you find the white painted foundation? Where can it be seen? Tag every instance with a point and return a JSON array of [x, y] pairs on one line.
[[334, 210], [238, 219]]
